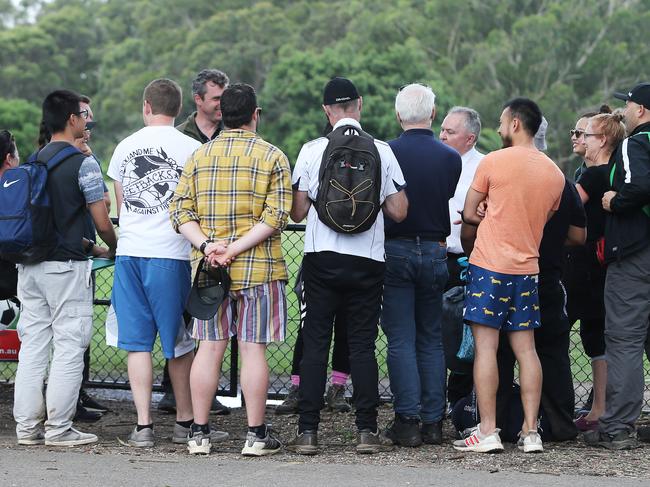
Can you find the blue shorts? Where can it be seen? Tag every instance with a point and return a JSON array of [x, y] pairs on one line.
[[502, 301], [149, 297]]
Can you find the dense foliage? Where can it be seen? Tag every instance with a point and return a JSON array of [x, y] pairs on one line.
[[569, 56]]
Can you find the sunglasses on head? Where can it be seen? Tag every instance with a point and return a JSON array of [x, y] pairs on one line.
[[576, 133]]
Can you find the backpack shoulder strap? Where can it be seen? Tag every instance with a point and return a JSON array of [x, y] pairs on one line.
[[65, 153]]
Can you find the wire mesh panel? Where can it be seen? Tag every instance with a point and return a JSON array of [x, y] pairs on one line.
[[108, 364]]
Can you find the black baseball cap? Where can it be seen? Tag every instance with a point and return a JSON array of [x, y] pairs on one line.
[[211, 286], [639, 94], [339, 90]]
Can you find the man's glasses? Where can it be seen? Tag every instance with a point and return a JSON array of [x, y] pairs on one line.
[[591, 135], [576, 133], [83, 114]]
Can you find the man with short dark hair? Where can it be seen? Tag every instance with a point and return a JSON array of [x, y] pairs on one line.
[[416, 272], [237, 189], [524, 189], [627, 287], [205, 123], [152, 268], [343, 277], [56, 294]]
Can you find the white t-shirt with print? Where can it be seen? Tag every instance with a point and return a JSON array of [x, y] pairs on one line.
[[148, 164], [318, 236]]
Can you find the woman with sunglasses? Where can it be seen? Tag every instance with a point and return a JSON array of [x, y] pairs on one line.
[[602, 133]]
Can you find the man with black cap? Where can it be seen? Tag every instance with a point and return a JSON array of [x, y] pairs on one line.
[[343, 275], [627, 287]]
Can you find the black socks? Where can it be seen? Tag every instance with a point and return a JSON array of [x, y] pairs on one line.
[[260, 431], [140, 427]]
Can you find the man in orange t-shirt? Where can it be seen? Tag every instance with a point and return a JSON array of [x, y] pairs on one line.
[[524, 188]]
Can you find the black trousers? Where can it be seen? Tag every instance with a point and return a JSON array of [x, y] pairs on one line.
[[340, 352], [348, 287], [552, 345]]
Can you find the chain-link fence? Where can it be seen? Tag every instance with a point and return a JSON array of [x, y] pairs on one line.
[[108, 364]]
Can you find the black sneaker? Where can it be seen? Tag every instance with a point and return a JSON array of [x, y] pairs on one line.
[[643, 434], [305, 443], [369, 442], [432, 433], [335, 399], [257, 447], [404, 431], [218, 408], [618, 441], [290, 403], [84, 415], [91, 403], [168, 403]]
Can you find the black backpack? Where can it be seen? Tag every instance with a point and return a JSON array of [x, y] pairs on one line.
[[349, 181]]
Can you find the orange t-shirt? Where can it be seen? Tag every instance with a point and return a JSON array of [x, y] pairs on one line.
[[522, 185]]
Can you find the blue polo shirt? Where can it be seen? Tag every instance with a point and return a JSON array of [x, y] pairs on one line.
[[431, 170]]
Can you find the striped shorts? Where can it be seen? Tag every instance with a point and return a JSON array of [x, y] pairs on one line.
[[257, 315]]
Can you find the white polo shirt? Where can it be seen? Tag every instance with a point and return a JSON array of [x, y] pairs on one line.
[[470, 160], [318, 236]]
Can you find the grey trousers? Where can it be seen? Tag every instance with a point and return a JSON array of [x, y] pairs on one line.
[[627, 305], [56, 318]]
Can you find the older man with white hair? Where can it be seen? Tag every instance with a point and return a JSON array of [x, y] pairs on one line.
[[416, 272]]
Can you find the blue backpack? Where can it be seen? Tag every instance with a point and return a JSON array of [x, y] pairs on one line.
[[27, 231]]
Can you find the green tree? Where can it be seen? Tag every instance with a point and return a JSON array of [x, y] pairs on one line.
[[22, 119]]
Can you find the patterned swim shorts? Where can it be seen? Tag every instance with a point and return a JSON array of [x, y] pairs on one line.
[[502, 301], [257, 314]]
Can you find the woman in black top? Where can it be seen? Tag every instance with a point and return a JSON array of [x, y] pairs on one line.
[[602, 134]]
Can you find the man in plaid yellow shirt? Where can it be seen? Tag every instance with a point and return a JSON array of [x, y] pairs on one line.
[[231, 203]]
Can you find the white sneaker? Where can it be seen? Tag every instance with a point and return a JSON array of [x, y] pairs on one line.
[[478, 442], [530, 442]]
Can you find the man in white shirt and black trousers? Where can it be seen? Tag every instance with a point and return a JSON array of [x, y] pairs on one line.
[[343, 275]]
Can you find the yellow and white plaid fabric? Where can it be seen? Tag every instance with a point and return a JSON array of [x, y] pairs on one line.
[[229, 185]]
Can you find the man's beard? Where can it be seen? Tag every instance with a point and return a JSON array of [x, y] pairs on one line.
[[506, 141]]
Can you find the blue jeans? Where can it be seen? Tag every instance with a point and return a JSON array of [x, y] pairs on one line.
[[416, 273]]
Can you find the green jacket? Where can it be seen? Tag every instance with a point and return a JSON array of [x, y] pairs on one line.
[[189, 128]]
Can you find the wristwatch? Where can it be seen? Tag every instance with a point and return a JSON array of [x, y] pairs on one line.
[[89, 246], [204, 245]]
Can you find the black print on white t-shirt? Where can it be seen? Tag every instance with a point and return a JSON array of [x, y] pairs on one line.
[[149, 179]]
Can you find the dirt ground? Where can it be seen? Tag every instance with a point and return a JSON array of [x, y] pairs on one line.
[[337, 440]]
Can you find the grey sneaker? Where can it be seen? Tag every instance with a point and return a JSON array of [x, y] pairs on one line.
[[37, 438], [335, 399], [181, 435], [72, 437], [621, 440], [369, 441], [198, 443], [257, 447], [142, 438], [290, 403], [305, 443]]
